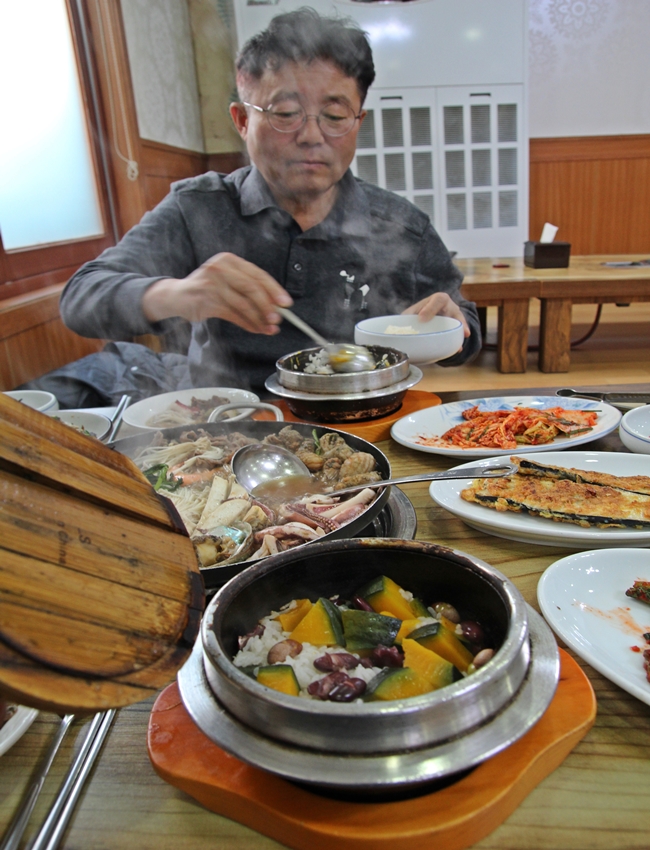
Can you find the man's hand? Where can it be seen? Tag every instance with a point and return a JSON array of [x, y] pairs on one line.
[[224, 287], [438, 304]]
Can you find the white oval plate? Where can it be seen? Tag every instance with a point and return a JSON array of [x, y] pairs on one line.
[[583, 599], [435, 421], [140, 413], [16, 727], [531, 529]]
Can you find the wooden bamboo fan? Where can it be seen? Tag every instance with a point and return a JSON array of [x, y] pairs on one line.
[[100, 591]]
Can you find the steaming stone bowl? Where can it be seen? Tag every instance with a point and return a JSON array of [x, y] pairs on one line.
[[290, 373], [434, 340], [431, 572]]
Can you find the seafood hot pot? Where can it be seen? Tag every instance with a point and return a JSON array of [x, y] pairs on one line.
[[371, 745], [217, 575]]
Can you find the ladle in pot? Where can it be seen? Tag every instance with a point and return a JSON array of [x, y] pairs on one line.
[[343, 356], [259, 463]]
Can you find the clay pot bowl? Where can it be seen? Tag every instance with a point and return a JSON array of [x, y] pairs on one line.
[[432, 573]]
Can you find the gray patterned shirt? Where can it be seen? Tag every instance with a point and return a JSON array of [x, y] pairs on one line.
[[375, 254]]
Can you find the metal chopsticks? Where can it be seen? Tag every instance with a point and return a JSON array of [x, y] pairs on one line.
[[54, 826], [16, 829], [116, 421]]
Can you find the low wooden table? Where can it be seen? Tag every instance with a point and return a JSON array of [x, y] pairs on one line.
[[503, 282], [506, 283], [587, 280], [597, 798]]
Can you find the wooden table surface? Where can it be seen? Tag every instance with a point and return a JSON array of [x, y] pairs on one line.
[[596, 799], [506, 283]]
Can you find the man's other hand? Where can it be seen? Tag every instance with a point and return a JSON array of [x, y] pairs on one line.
[[438, 304]]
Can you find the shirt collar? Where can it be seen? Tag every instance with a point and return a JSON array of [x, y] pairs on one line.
[[348, 217]]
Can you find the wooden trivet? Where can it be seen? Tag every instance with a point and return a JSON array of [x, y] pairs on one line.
[[373, 430], [454, 817]]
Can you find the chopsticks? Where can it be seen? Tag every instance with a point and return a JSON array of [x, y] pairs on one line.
[[14, 833], [116, 421], [54, 826]]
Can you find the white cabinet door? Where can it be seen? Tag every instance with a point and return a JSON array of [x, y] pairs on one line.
[[460, 154]]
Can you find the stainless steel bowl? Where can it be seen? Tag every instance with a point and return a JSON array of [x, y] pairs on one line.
[[432, 573], [393, 367], [345, 407]]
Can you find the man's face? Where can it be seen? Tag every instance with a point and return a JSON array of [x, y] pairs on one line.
[[304, 164]]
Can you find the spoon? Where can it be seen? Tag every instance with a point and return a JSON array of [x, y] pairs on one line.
[[343, 356], [258, 464], [612, 397]]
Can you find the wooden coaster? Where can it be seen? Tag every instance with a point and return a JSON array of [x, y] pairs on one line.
[[454, 817], [373, 430]]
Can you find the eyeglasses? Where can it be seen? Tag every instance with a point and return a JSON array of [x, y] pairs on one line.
[[287, 116]]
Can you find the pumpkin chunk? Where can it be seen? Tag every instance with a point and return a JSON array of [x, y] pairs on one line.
[[279, 677], [290, 619], [441, 640], [397, 683], [436, 670], [321, 626]]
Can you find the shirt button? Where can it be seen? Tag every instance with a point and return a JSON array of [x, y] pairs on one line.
[[297, 267]]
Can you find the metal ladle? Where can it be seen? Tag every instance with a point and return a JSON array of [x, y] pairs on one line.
[[343, 356], [259, 463]]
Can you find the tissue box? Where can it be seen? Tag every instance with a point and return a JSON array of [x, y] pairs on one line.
[[547, 255]]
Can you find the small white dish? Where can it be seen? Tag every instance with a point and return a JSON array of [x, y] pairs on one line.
[[634, 430], [435, 421], [582, 598], [36, 399], [92, 424], [422, 342], [16, 727], [148, 410], [525, 528]]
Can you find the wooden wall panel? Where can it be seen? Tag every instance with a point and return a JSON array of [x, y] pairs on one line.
[[34, 340], [595, 189], [164, 164]]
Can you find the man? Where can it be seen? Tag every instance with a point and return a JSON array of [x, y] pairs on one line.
[[294, 229]]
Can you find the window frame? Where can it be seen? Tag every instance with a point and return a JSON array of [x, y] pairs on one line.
[[121, 201]]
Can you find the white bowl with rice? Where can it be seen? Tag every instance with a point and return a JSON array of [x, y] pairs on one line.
[[423, 342]]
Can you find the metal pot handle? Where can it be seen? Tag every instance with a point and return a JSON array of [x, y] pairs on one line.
[[249, 406]]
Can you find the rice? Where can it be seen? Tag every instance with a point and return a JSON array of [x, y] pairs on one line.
[[254, 655], [400, 329], [319, 364]]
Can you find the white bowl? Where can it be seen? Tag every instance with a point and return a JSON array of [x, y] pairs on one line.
[[427, 342], [92, 424], [634, 430], [140, 414], [36, 399]]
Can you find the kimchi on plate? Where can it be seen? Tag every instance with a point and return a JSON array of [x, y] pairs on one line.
[[509, 429]]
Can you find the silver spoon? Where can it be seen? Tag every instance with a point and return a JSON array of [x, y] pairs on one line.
[[611, 397], [344, 356], [259, 463]]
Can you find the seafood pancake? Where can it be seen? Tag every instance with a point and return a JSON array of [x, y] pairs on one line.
[[563, 501], [631, 483]]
